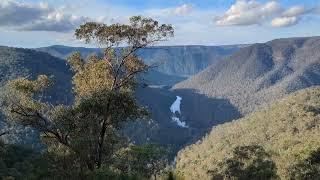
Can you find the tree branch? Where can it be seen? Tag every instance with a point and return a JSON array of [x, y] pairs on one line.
[[45, 127], [134, 49], [4, 133]]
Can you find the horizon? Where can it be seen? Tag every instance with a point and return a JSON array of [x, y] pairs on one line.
[[155, 46], [42, 23]]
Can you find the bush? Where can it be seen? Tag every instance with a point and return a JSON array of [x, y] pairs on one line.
[[308, 168]]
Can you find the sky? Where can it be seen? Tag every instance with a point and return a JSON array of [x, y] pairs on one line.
[[39, 23]]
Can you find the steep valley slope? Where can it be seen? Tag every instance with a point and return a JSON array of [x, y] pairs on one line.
[[230, 88], [288, 130], [199, 112], [261, 73]]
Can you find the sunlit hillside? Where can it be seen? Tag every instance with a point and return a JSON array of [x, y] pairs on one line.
[[289, 130]]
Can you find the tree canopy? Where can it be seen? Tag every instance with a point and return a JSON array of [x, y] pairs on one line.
[[247, 163], [308, 168], [86, 133], [288, 130]]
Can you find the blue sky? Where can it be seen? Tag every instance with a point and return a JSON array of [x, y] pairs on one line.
[[36, 23]]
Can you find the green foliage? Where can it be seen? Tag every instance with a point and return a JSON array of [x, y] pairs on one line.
[[288, 130], [146, 160], [139, 32], [16, 63], [308, 168], [171, 175], [31, 87], [246, 163], [103, 174], [19, 162], [82, 138]]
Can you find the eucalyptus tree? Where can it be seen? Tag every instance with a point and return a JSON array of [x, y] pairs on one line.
[[87, 130]]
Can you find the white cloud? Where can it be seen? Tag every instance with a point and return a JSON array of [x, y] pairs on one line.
[[284, 21], [182, 10], [14, 13], [56, 21], [250, 12], [295, 11], [291, 16], [36, 17]]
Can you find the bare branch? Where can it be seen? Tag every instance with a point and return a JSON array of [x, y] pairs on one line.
[[4, 133], [128, 77]]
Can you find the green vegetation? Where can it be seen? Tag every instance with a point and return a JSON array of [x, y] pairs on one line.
[[83, 139], [247, 162], [288, 131], [84, 130], [308, 168], [147, 160], [21, 162], [259, 74], [18, 62]]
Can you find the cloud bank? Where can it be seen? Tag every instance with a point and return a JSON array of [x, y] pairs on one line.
[[251, 12], [248, 13], [36, 17], [32, 24]]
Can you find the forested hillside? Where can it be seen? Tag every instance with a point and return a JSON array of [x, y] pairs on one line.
[[261, 73], [288, 130], [198, 111], [185, 60], [279, 67], [180, 61], [172, 64], [159, 90], [18, 62]]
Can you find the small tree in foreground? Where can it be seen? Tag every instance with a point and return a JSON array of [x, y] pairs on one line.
[[87, 131]]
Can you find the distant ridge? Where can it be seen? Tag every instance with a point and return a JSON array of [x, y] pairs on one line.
[[261, 73], [21, 62], [182, 61]]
